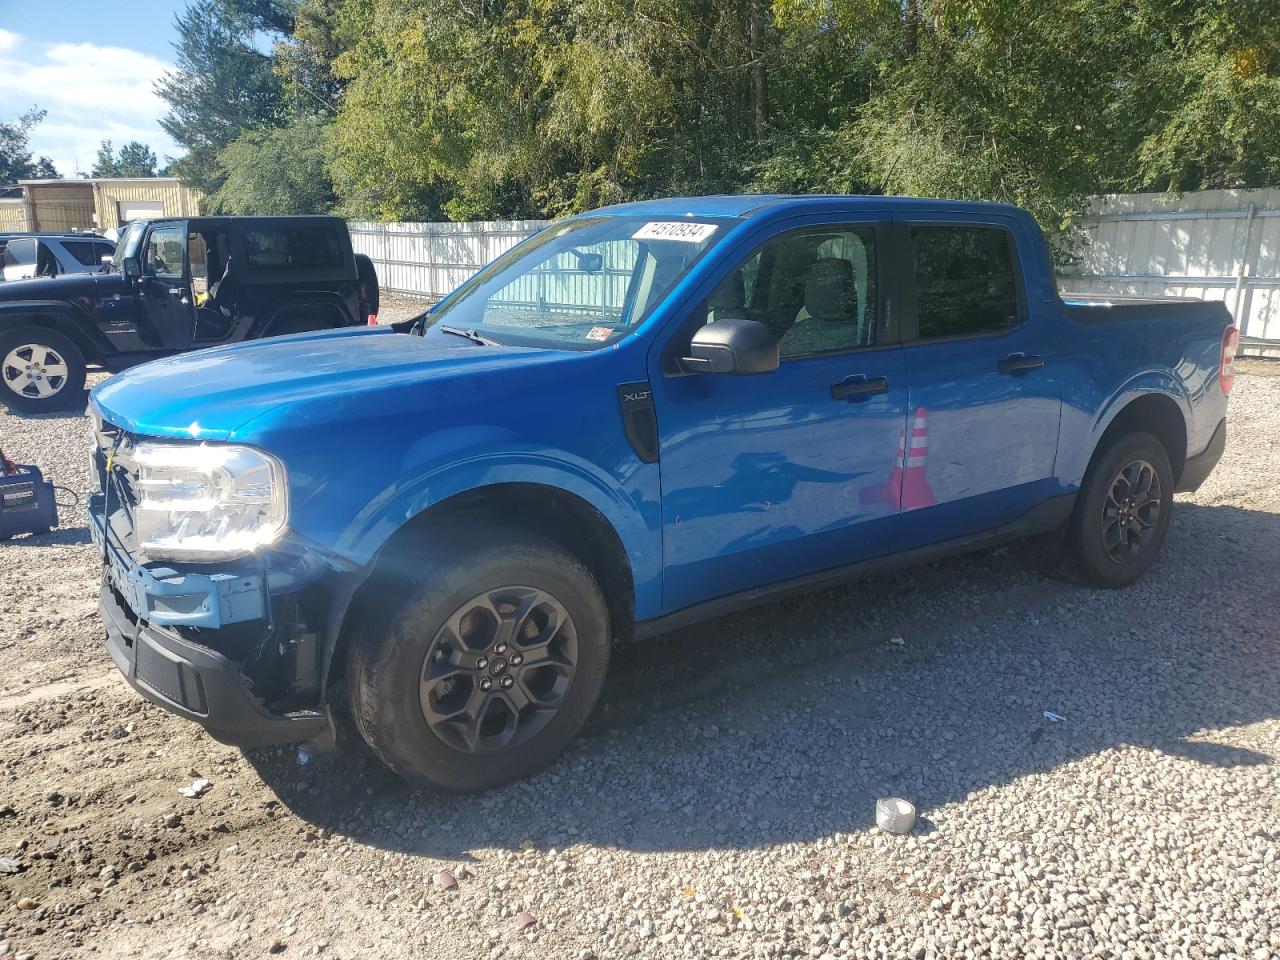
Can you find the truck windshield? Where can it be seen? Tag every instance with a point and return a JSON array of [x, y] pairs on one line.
[[580, 284]]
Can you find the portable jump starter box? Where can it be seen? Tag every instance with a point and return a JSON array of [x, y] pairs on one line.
[[26, 500]]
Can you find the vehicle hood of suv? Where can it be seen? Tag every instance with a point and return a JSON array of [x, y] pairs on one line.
[[69, 286], [210, 393]]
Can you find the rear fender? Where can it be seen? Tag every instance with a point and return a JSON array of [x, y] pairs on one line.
[[1073, 463], [330, 304]]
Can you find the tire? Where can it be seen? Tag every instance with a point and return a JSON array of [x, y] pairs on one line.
[[24, 346], [425, 642], [1129, 478]]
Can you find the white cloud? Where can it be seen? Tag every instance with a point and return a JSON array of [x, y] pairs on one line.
[[92, 93]]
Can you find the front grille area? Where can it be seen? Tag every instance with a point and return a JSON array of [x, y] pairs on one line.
[[117, 479]]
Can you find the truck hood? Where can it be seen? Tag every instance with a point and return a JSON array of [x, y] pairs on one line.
[[67, 287], [210, 393]]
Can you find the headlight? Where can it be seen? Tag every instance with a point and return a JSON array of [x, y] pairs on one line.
[[207, 501]]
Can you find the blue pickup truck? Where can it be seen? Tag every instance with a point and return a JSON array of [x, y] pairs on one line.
[[640, 417]]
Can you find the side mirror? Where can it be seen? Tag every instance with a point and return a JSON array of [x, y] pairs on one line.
[[131, 267], [732, 345]]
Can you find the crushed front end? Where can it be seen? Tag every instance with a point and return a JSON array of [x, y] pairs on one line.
[[239, 645]]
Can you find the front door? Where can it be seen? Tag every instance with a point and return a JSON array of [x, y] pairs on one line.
[[984, 400], [165, 288], [770, 477]]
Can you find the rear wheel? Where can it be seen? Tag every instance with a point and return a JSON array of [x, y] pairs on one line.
[[40, 370], [476, 660], [1122, 514]]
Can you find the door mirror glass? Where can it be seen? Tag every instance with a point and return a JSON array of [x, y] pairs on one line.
[[131, 266], [732, 345]]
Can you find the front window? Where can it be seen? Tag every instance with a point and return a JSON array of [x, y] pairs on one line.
[[580, 284], [127, 245], [166, 251]]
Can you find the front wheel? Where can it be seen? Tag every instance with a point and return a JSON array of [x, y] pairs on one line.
[[40, 370], [1123, 510], [475, 661]]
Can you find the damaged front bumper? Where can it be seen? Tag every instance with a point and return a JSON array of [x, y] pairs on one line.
[[242, 647]]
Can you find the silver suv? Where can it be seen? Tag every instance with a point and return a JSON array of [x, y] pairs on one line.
[[51, 255]]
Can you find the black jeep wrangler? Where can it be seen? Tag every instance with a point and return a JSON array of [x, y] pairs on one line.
[[176, 285]]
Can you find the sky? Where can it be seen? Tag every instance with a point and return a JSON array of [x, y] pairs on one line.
[[92, 65]]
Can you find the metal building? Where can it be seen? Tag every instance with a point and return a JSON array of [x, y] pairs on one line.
[[95, 204]]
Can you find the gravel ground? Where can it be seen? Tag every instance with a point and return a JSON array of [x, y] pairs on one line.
[[721, 803]]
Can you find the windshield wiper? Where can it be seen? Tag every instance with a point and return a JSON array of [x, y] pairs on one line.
[[471, 335]]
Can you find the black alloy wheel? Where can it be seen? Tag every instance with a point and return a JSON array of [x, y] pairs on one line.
[[498, 669]]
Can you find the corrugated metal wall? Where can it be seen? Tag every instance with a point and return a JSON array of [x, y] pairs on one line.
[[61, 208], [1213, 245], [13, 216], [179, 201]]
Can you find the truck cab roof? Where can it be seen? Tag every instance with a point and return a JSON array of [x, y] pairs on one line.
[[746, 205]]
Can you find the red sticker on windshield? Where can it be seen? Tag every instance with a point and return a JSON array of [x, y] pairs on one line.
[[599, 333]]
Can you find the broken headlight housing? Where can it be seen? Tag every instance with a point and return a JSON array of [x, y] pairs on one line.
[[207, 501]]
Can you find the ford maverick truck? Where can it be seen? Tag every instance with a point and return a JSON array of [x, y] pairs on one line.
[[177, 285], [640, 417]]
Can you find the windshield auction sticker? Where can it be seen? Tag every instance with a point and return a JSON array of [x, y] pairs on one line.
[[680, 230]]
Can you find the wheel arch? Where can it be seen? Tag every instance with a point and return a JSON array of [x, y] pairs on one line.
[[1155, 412], [332, 308], [554, 513]]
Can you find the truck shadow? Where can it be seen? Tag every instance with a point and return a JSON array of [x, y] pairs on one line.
[[785, 723]]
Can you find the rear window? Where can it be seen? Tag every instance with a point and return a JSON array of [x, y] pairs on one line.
[[965, 281], [87, 252], [294, 248]]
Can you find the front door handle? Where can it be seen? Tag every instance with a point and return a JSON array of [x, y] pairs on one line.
[[1017, 363], [859, 388]]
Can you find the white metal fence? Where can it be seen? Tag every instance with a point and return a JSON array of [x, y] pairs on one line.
[[1213, 244], [431, 259]]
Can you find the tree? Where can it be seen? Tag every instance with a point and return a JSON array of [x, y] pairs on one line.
[[222, 85], [104, 165], [532, 108], [275, 172], [16, 161], [135, 159]]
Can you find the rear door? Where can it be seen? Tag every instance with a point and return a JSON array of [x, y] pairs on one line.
[[771, 477], [984, 401], [165, 287], [20, 258]]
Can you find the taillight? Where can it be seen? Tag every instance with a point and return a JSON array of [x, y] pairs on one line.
[[373, 319], [1227, 364]]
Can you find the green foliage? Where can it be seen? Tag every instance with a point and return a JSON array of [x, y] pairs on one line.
[[16, 161], [134, 160], [222, 86], [275, 172], [520, 108]]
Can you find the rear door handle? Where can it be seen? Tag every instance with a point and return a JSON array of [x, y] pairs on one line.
[[1017, 363], [859, 387]]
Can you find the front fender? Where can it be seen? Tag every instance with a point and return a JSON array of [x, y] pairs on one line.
[[62, 316], [494, 458]]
